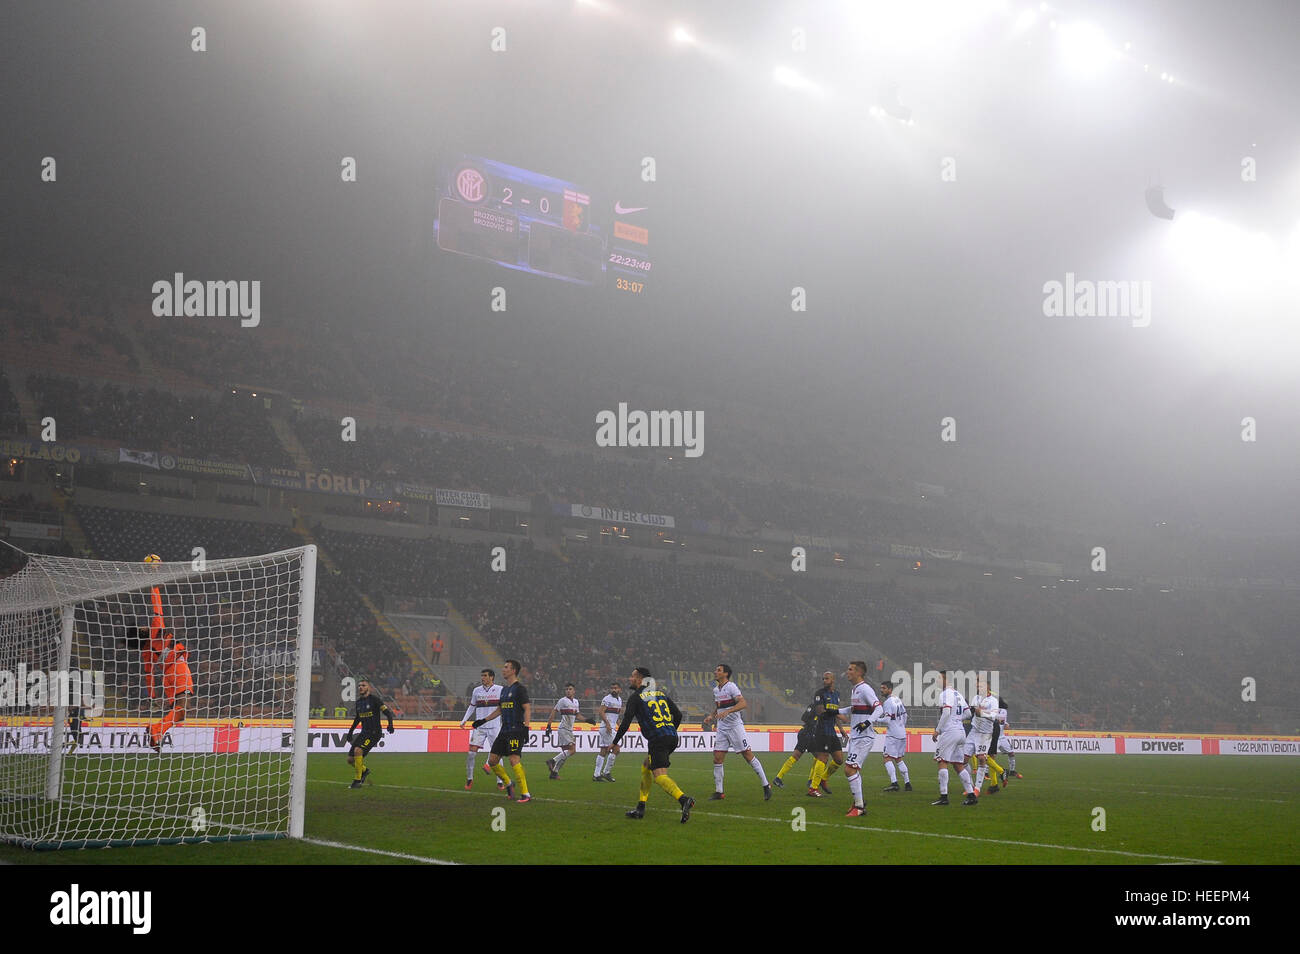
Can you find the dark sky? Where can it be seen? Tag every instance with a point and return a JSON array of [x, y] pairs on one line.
[[925, 297]]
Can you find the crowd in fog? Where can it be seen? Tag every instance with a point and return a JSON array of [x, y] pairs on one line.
[[230, 427], [460, 415], [1090, 658]]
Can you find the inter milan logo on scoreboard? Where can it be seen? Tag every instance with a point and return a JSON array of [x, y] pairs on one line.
[[470, 185]]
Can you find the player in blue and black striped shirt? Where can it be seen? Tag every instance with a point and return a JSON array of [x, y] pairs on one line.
[[514, 709], [658, 717]]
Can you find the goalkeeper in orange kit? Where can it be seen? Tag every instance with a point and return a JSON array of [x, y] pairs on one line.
[[166, 657]]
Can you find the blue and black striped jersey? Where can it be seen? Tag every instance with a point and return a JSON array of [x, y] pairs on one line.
[[826, 703], [513, 699], [657, 715]]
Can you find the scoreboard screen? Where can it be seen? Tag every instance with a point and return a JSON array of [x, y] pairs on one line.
[[539, 224]]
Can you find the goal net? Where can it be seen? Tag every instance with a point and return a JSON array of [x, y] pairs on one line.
[[154, 703]]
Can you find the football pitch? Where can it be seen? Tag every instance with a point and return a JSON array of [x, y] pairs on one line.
[[1157, 810]]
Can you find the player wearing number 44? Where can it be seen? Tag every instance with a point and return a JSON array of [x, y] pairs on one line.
[[515, 709], [729, 703]]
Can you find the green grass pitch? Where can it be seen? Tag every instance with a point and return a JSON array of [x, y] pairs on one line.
[[1158, 809]]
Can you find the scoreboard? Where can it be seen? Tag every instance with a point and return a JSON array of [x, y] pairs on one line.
[[540, 224]]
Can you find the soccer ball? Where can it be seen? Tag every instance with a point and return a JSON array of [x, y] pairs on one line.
[[153, 558]]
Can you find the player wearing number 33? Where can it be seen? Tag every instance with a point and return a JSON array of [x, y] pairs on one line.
[[658, 717]]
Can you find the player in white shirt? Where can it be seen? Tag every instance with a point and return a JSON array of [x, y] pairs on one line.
[[484, 699], [728, 704], [864, 709], [1002, 744], [894, 715], [567, 709], [608, 712], [950, 743], [984, 712]]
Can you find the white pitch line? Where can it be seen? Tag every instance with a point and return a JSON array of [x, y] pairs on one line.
[[379, 851], [848, 827]]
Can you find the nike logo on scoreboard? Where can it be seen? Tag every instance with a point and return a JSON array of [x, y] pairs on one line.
[[620, 209]]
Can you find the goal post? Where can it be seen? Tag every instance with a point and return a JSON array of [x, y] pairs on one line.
[[302, 699], [54, 772], [155, 703]]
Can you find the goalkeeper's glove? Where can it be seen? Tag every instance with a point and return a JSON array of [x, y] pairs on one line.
[[548, 728], [863, 726], [390, 728], [478, 722]]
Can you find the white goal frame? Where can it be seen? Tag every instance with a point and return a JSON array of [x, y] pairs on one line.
[[55, 617]]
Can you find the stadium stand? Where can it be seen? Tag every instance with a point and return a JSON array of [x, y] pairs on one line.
[[471, 418]]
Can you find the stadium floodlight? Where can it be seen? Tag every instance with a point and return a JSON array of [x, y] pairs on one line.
[[892, 105], [91, 758], [1085, 50], [683, 35], [1156, 203]]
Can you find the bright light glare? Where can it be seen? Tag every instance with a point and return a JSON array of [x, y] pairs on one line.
[[1235, 291], [1226, 254], [794, 80], [908, 26], [1084, 48], [1024, 21], [682, 35]]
